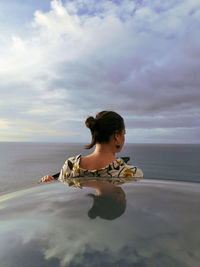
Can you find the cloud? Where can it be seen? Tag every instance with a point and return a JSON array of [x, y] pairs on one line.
[[138, 58], [24, 130], [4, 124]]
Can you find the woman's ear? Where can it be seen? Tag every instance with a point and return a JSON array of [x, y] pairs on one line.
[[116, 137]]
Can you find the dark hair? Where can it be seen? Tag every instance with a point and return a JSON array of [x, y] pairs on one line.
[[103, 126], [106, 207]]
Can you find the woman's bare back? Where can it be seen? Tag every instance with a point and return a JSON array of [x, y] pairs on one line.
[[94, 162]]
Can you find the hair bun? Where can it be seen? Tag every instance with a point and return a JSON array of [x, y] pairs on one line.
[[90, 123]]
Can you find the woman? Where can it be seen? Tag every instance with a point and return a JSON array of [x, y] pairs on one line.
[[108, 135]]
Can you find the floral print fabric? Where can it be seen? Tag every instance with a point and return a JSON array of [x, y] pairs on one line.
[[116, 172]]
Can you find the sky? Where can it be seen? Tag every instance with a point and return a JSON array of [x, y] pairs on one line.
[[62, 61]]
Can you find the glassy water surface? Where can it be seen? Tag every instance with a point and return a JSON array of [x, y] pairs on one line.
[[52, 225]]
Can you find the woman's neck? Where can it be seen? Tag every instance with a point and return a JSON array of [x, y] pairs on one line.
[[100, 158], [104, 150]]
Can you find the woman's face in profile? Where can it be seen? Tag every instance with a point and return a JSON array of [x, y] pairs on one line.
[[122, 138]]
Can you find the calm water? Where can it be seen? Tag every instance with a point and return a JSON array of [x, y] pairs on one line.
[[22, 164]]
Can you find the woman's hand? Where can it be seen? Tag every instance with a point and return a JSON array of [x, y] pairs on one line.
[[46, 178]]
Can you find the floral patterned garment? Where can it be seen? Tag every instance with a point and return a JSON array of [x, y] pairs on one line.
[[116, 172]]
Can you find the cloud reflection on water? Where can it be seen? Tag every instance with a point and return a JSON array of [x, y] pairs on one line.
[[158, 228]]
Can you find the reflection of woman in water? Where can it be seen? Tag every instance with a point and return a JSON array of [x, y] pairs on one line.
[[107, 130], [110, 201]]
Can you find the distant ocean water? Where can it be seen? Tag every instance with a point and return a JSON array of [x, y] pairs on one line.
[[22, 164]]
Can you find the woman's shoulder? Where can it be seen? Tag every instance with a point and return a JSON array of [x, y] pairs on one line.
[[127, 170], [73, 159], [70, 168]]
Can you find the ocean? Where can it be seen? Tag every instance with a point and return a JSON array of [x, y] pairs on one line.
[[23, 164]]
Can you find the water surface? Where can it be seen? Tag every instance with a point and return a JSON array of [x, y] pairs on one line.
[[22, 164]]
